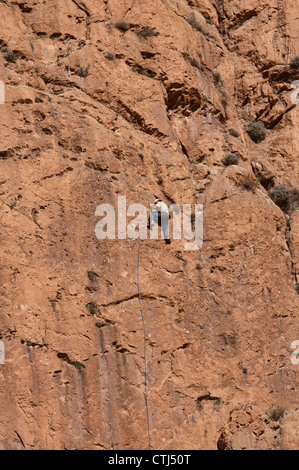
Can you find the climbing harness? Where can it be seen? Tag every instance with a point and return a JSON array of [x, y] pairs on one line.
[[145, 343]]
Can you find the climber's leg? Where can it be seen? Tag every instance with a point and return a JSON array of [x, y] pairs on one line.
[[154, 217], [165, 226]]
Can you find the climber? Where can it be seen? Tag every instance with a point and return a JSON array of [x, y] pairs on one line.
[[160, 214]]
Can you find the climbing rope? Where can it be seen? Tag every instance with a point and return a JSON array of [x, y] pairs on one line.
[[145, 343]]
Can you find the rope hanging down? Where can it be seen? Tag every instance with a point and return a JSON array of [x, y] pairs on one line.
[[145, 348]]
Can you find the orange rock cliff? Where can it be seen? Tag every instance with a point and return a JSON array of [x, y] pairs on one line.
[[194, 102]]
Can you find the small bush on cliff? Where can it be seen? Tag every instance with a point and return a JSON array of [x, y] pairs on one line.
[[287, 198], [276, 414], [194, 23], [195, 63], [110, 56], [92, 276], [92, 308], [224, 96], [231, 159], [147, 32], [216, 77], [218, 82], [11, 57], [257, 131], [78, 365], [83, 71], [122, 26], [294, 64]]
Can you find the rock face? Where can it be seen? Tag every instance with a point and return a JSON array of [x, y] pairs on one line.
[[122, 98]]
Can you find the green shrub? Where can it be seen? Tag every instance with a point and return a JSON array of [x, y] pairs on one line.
[[287, 198], [276, 414], [194, 23], [216, 77], [92, 308], [11, 57], [83, 71], [110, 56], [145, 73], [219, 85], [224, 96], [294, 64], [78, 365], [257, 131], [122, 26], [67, 52], [231, 159], [92, 276], [195, 63], [147, 32], [246, 115]]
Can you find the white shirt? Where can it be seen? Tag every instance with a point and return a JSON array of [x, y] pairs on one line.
[[160, 207]]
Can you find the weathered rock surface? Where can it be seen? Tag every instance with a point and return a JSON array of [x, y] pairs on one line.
[[95, 109]]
